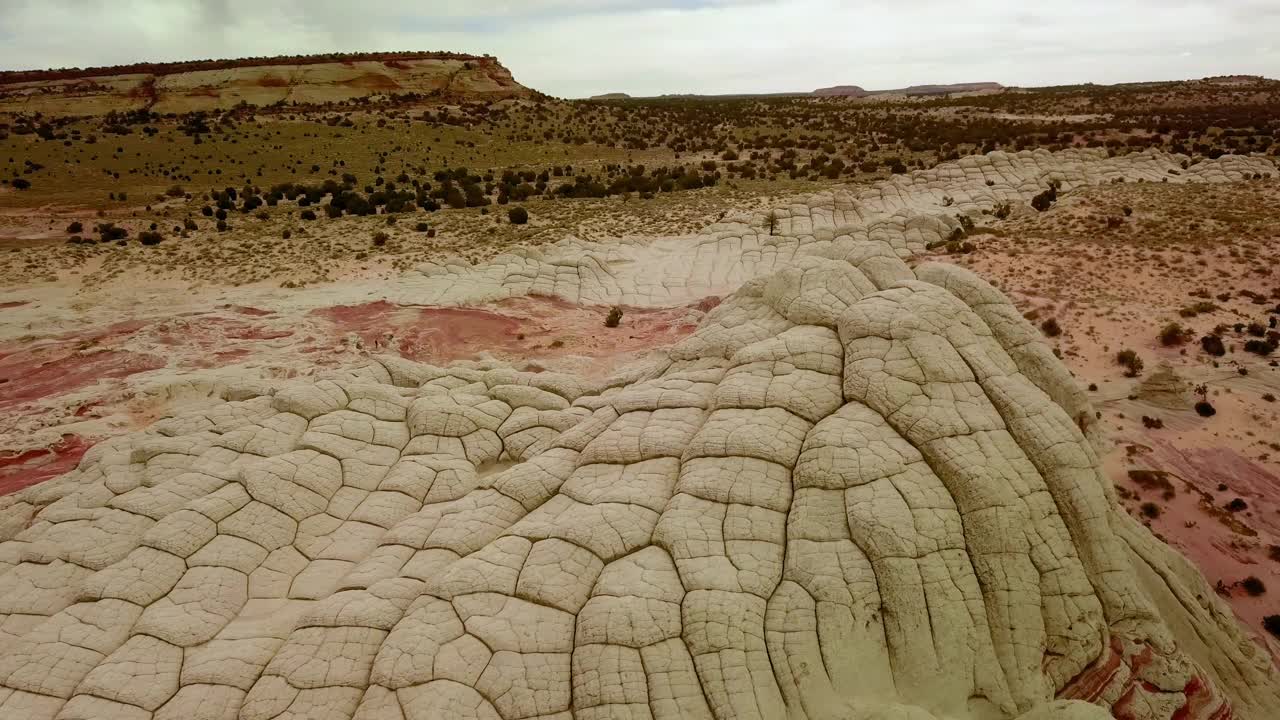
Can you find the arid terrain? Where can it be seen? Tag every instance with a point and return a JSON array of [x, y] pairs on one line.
[[380, 269]]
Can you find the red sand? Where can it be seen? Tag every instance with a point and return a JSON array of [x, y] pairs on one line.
[[28, 468], [52, 382]]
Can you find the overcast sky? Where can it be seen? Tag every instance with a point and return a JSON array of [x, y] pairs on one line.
[[571, 48]]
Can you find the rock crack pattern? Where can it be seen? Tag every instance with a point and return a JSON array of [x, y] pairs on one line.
[[860, 490]]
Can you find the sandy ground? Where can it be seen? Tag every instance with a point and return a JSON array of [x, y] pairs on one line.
[[1112, 289]]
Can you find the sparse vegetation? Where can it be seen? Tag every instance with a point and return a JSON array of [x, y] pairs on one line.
[[1130, 361], [1253, 586], [614, 318], [1174, 334]]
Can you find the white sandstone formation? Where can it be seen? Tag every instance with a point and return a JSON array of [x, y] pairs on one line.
[[860, 490], [906, 212]]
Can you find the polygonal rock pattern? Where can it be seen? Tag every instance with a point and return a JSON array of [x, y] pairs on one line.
[[860, 489], [904, 213]]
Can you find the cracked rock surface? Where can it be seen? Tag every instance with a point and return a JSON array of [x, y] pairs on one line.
[[860, 489]]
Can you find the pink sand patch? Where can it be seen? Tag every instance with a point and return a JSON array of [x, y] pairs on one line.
[[525, 328], [20, 470], [55, 370]]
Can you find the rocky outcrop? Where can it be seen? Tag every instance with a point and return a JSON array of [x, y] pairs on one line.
[[905, 213], [861, 489], [211, 85]]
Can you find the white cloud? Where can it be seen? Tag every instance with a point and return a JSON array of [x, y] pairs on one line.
[[571, 48]]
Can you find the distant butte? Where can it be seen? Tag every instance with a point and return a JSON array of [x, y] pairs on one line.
[[856, 91]]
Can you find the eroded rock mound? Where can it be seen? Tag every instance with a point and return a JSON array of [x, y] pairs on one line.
[[859, 490]]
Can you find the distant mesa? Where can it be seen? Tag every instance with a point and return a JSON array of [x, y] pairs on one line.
[[260, 81], [913, 91], [841, 91], [610, 96]]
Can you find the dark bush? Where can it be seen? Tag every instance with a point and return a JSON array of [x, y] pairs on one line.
[[1044, 200], [1260, 347], [518, 216], [1174, 334], [615, 317], [1204, 409], [1051, 328], [75, 227], [1237, 505], [1130, 361], [308, 215], [1213, 345], [21, 183], [110, 232], [1253, 586], [1271, 624], [1150, 510], [380, 238]]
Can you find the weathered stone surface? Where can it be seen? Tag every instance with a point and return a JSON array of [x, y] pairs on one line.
[[858, 490]]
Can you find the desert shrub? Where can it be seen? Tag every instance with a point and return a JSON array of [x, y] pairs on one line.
[[1002, 210], [1271, 624], [1192, 310], [308, 215], [149, 237], [175, 191], [1256, 329], [1237, 505], [614, 318], [75, 227], [1150, 510], [380, 238], [1260, 347], [21, 183], [223, 226], [1130, 361], [189, 224], [1044, 200], [1253, 586], [286, 234], [421, 227], [1205, 409], [518, 216], [109, 232], [1213, 345], [1174, 334], [1128, 211], [1051, 328], [206, 211]]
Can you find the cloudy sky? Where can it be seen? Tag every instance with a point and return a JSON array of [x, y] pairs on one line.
[[574, 48]]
